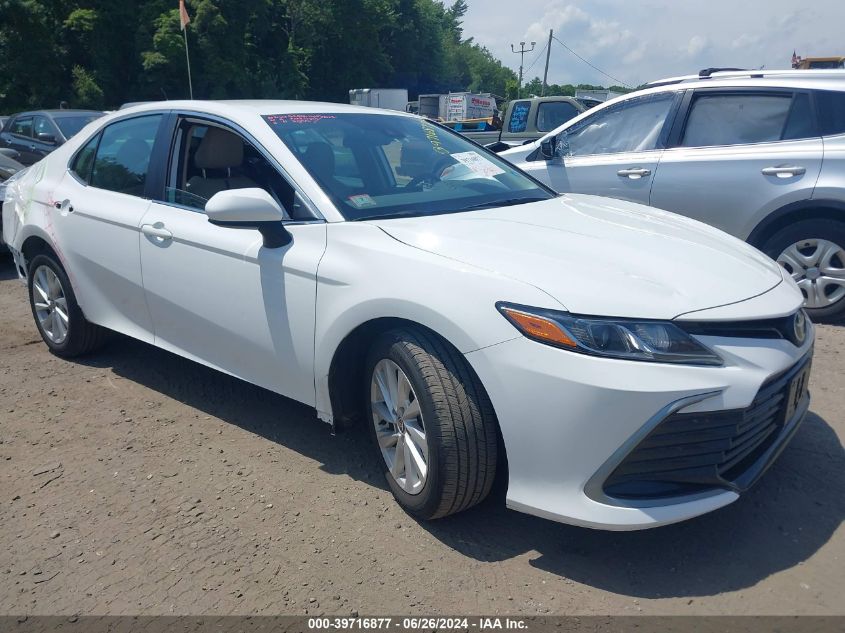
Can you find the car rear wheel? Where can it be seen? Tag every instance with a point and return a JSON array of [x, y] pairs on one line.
[[431, 422], [813, 252], [57, 314]]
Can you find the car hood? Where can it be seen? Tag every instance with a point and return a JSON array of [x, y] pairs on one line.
[[598, 255]]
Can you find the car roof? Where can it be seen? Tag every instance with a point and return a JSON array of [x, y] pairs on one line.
[[56, 113], [832, 79], [259, 107]]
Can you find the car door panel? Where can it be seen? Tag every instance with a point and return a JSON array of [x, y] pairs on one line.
[[627, 176], [738, 154], [106, 279], [218, 296]]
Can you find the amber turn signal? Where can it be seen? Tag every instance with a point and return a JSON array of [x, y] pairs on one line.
[[539, 328]]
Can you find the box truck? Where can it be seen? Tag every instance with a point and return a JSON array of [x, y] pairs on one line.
[[387, 98]]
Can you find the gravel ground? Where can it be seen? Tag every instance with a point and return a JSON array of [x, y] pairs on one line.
[[136, 482]]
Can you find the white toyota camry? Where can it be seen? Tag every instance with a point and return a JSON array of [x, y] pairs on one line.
[[624, 367]]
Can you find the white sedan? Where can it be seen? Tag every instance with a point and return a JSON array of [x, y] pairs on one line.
[[623, 367]]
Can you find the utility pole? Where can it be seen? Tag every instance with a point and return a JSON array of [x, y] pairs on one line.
[[522, 50], [548, 54]]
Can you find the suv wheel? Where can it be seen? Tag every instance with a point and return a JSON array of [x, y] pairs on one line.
[[813, 252], [431, 423]]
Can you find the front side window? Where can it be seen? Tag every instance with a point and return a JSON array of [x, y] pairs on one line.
[[123, 155], [553, 114], [22, 127], [376, 165], [736, 119], [208, 159], [633, 125], [42, 126]]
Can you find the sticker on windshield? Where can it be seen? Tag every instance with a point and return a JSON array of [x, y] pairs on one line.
[[477, 163], [362, 201]]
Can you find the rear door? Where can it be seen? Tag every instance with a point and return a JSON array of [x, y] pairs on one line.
[[614, 152], [736, 155], [19, 138]]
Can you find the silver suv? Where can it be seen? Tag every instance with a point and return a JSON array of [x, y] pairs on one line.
[[759, 154]]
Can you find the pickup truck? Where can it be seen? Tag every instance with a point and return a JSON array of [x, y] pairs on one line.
[[524, 121]]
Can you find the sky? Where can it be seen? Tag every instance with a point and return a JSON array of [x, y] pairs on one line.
[[636, 41]]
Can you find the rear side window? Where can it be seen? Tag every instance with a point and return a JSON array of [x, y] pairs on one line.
[[554, 114], [22, 127], [123, 156], [736, 119], [831, 108], [81, 165]]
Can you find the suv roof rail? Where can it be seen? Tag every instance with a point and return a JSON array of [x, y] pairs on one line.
[[725, 73]]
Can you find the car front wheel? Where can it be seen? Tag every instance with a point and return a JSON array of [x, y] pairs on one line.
[[431, 422], [813, 252], [58, 316]]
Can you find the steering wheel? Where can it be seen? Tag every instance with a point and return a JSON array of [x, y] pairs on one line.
[[436, 172]]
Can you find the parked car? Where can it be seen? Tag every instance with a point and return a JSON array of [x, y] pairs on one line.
[[526, 120], [8, 168], [759, 154], [630, 366], [35, 134]]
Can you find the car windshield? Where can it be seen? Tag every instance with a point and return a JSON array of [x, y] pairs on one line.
[[70, 125], [379, 165]]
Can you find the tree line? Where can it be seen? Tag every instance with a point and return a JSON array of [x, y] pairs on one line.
[[102, 53]]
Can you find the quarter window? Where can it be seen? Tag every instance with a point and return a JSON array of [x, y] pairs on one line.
[[553, 114], [123, 155], [633, 125], [84, 160], [736, 119]]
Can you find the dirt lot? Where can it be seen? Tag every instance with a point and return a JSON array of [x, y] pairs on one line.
[[135, 482]]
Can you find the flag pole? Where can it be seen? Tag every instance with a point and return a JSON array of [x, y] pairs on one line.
[[184, 20], [188, 60]]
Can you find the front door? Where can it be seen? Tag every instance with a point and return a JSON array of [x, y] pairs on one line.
[[216, 294], [615, 152]]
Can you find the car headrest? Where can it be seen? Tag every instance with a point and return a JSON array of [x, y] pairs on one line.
[[319, 158], [219, 149]]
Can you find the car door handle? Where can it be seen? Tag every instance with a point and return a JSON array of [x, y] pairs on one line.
[[156, 231], [783, 172], [633, 173], [63, 204]]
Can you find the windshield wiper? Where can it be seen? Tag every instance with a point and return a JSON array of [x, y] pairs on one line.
[[388, 216], [504, 203]]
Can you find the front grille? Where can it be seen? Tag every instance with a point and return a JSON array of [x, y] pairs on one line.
[[693, 452]]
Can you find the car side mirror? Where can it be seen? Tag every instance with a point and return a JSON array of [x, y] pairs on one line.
[[250, 208], [548, 147], [46, 138]]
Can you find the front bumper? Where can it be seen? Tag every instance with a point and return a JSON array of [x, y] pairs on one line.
[[568, 421]]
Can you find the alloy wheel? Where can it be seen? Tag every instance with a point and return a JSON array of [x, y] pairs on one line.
[[50, 303], [399, 426], [818, 267]]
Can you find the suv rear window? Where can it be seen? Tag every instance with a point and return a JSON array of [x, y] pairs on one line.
[[831, 107]]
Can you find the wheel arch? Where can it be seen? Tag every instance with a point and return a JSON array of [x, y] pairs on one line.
[[37, 243], [346, 377], [794, 212]]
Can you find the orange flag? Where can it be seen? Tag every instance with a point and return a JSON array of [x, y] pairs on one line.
[[183, 15]]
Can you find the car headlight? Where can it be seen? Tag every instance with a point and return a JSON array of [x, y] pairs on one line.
[[627, 339]]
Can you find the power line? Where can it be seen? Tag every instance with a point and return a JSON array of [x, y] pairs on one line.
[[618, 81]]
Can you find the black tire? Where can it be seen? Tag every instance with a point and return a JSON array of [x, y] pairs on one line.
[[831, 230], [82, 336], [460, 424]]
